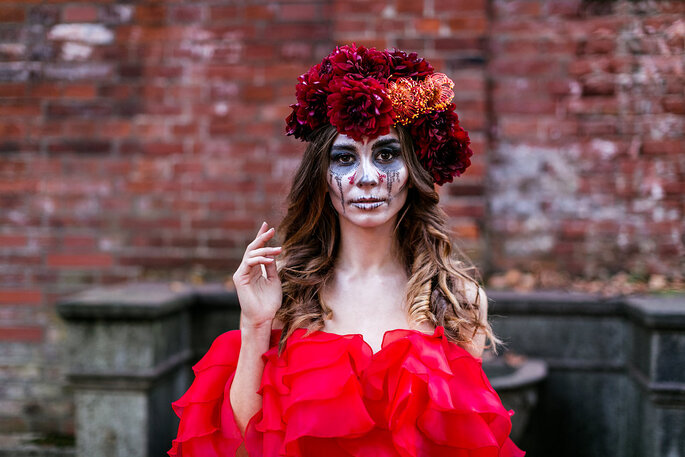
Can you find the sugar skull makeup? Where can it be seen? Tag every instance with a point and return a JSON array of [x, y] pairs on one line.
[[367, 179]]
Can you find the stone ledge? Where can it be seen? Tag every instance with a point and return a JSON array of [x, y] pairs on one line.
[[127, 301], [552, 303], [131, 380], [657, 311], [24, 445], [143, 301]]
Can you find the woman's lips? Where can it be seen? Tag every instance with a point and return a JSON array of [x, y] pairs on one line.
[[367, 203]]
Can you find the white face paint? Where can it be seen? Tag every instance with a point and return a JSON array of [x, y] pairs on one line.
[[367, 180]]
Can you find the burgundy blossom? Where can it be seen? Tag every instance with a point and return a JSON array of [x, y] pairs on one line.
[[442, 146], [408, 66], [359, 108], [309, 112], [359, 61]]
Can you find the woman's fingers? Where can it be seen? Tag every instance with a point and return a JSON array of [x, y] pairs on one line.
[[271, 270], [252, 261], [262, 237], [264, 251]]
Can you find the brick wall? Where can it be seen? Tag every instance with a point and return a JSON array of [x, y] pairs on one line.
[[588, 164], [145, 140]]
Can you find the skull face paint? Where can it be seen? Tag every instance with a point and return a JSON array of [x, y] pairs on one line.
[[367, 180]]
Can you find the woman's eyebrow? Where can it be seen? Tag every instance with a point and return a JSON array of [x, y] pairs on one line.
[[386, 142], [343, 147]]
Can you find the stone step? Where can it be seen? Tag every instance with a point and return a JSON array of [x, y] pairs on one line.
[[36, 445]]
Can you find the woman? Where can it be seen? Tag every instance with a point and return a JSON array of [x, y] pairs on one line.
[[365, 339]]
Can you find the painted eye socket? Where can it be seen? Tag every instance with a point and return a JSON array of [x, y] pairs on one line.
[[387, 155], [344, 159]]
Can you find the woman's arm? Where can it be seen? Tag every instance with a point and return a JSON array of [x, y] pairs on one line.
[[248, 373], [260, 295]]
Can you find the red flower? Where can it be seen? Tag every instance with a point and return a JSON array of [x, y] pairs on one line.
[[309, 112], [359, 108], [358, 61], [408, 66], [442, 146]]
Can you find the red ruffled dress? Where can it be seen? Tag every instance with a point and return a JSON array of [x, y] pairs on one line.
[[329, 394]]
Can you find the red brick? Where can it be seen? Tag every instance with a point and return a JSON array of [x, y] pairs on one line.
[[524, 66], [469, 24], [673, 104], [299, 12], [414, 7], [341, 7], [224, 13], [428, 26], [12, 90], [351, 24], [80, 91], [29, 107], [459, 6], [150, 14], [20, 296], [517, 8], [259, 52], [12, 14], [663, 147], [79, 13], [597, 45], [12, 130], [27, 334], [260, 12], [71, 260], [465, 230], [529, 106], [601, 84], [79, 241], [187, 14], [258, 93], [13, 241]]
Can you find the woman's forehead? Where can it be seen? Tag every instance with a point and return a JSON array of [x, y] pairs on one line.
[[343, 139]]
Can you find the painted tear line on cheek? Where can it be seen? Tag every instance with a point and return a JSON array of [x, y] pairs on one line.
[[392, 177], [338, 179]]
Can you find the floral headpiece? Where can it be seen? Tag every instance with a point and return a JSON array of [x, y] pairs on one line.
[[363, 92]]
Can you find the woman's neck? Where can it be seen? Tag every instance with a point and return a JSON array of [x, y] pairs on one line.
[[366, 250]]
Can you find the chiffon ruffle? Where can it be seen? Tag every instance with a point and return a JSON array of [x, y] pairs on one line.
[[329, 394]]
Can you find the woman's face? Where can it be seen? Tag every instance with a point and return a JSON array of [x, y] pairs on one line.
[[367, 180]]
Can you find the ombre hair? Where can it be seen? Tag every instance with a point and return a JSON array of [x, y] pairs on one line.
[[438, 273]]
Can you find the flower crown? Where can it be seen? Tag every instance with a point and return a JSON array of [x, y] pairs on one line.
[[363, 92]]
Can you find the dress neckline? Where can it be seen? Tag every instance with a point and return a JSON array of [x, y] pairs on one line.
[[438, 332]]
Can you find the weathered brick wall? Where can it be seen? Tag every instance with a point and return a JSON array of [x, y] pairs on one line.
[[587, 169], [142, 140]]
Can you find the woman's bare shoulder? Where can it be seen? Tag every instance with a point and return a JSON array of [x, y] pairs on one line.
[[472, 291]]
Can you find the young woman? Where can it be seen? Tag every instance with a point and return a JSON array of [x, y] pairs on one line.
[[365, 339]]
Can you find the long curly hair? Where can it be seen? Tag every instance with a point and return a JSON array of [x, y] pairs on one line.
[[438, 277]]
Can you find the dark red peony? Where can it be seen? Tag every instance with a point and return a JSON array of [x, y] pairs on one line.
[[359, 108], [358, 61], [408, 66], [309, 112], [442, 146]]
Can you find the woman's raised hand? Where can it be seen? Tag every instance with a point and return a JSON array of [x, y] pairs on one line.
[[260, 296]]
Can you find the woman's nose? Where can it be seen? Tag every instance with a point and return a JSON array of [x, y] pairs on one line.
[[368, 175]]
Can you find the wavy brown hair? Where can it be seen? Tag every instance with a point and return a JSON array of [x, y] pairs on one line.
[[438, 278]]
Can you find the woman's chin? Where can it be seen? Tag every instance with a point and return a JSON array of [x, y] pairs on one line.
[[366, 218]]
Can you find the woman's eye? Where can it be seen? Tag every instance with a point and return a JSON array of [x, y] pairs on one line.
[[344, 159], [387, 155]]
